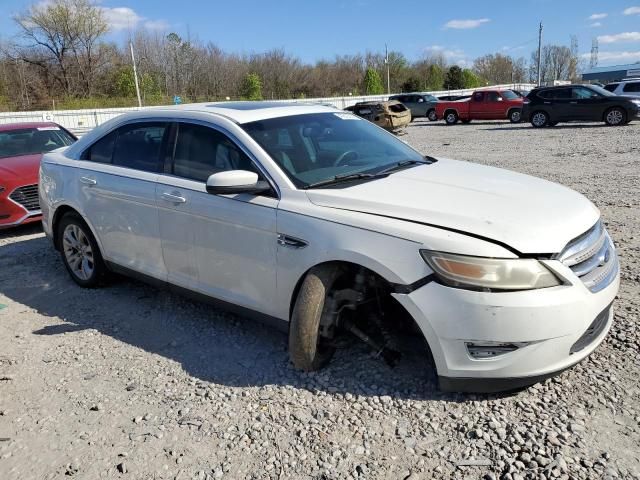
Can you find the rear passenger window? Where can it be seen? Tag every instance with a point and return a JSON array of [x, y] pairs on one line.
[[478, 97], [611, 87], [102, 150], [631, 87], [138, 146], [201, 151]]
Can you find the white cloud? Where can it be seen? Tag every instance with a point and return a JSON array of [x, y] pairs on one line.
[[620, 37], [616, 57], [596, 24], [451, 55], [632, 11], [466, 24], [598, 16], [123, 18], [160, 25]]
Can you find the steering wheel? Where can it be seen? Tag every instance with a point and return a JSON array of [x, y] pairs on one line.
[[348, 155]]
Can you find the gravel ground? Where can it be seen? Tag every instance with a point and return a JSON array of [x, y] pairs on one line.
[[133, 382]]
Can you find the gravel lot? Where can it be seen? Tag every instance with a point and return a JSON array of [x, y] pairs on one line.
[[133, 382]]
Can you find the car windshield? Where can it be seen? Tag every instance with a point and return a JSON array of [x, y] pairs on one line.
[[601, 91], [316, 147], [509, 95], [28, 141]]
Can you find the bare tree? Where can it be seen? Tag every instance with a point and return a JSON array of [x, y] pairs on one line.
[[60, 37]]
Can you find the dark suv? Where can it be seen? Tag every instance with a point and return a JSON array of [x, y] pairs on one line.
[[420, 104], [547, 106]]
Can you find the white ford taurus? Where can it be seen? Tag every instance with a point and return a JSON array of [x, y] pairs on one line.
[[327, 224]]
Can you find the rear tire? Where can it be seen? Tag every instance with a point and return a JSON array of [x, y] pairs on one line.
[[615, 116], [80, 252], [539, 119], [307, 350], [431, 115], [451, 118]]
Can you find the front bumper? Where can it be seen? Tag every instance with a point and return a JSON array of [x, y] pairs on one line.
[[545, 325], [13, 214]]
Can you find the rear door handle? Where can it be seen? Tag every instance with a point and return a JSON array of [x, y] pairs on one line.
[[173, 197], [573, 103], [88, 181]]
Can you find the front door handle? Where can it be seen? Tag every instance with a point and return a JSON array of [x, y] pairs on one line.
[[573, 103], [88, 181], [173, 197]]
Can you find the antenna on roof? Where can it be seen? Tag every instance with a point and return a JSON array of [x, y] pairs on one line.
[[594, 53]]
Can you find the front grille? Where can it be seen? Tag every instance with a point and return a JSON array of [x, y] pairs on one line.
[[593, 332], [27, 196], [592, 257]]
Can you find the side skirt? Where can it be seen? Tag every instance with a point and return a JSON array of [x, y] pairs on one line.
[[269, 320]]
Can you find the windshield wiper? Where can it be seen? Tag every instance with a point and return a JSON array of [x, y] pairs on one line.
[[348, 177], [341, 178]]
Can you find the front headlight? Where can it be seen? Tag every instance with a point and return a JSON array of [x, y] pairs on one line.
[[462, 271], [636, 101]]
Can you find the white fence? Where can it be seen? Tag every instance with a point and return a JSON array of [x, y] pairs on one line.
[[80, 121]]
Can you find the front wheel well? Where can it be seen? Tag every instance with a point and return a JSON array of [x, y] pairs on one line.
[[352, 276]]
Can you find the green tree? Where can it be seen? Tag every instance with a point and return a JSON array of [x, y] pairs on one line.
[[435, 77], [412, 84], [372, 83], [251, 88], [454, 79], [470, 79]]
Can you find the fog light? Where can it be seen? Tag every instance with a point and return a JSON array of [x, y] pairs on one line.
[[491, 350]]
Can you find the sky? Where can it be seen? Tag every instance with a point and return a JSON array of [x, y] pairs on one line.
[[313, 30]]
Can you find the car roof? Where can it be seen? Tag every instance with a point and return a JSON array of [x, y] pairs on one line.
[[6, 127], [245, 112]]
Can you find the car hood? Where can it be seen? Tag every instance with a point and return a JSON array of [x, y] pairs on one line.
[[528, 214], [23, 167]]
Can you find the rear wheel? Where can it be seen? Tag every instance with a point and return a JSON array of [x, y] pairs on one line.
[[615, 116], [515, 116], [80, 253], [431, 115], [539, 119], [307, 349], [451, 118]]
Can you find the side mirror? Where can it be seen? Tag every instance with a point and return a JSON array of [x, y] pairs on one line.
[[421, 100], [236, 181]]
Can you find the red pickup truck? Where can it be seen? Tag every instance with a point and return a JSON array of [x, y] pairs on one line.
[[483, 105]]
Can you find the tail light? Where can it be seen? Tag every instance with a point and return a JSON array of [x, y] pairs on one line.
[[526, 101]]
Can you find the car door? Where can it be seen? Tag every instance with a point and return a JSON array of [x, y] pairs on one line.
[[221, 245], [477, 107], [588, 104], [118, 176], [560, 107], [495, 106]]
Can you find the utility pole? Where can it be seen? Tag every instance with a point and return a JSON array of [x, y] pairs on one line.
[[135, 74], [539, 54], [386, 62]]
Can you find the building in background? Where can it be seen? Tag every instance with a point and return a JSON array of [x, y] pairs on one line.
[[612, 73]]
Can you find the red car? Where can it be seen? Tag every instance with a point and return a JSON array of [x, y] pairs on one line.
[[21, 148], [483, 105]]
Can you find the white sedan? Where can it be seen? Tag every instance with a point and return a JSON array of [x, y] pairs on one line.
[[323, 223]]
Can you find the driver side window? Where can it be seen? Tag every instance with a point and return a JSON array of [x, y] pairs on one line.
[[201, 151]]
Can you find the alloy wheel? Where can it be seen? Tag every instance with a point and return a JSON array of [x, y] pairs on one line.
[[539, 119], [78, 252], [615, 117]]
